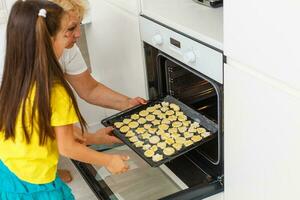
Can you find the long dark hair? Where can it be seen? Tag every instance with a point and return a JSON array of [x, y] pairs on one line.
[[31, 66]]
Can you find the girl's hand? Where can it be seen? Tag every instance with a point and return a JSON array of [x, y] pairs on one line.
[[118, 164], [105, 136]]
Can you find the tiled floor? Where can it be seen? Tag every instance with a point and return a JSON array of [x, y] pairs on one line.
[[79, 187]]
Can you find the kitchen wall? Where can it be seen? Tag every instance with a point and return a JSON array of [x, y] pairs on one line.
[[92, 114]]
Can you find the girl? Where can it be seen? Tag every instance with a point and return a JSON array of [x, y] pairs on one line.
[[38, 108]]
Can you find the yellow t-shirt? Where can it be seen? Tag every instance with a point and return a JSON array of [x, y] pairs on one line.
[[31, 162]]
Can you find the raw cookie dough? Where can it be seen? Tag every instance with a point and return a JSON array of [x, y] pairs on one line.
[[157, 157], [142, 120], [149, 153], [133, 124], [130, 134], [150, 118], [169, 151], [154, 139], [135, 116], [124, 129], [143, 113], [126, 121], [196, 138], [118, 124]]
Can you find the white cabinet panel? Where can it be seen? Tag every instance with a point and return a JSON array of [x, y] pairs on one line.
[[133, 6], [265, 36], [261, 134], [115, 48]]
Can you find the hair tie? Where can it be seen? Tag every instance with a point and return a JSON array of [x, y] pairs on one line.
[[42, 13]]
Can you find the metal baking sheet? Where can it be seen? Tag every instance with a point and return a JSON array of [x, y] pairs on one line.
[[191, 114]]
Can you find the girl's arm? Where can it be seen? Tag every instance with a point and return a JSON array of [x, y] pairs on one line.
[[68, 146]]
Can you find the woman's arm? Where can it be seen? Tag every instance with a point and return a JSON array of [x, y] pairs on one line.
[[98, 94], [69, 147]]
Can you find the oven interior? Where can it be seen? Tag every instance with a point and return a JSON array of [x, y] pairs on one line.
[[167, 76]]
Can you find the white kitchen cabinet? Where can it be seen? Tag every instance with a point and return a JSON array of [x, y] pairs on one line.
[[262, 137], [265, 36], [115, 47], [132, 6]]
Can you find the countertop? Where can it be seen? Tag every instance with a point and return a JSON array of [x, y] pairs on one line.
[[188, 17]]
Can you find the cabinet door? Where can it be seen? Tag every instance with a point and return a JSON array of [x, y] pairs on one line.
[[133, 6], [115, 48], [264, 35], [261, 137]]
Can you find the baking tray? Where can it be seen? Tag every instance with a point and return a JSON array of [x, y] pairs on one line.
[[191, 114]]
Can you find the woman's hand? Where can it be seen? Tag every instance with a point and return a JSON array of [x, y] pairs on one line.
[[104, 136], [118, 164], [131, 102]]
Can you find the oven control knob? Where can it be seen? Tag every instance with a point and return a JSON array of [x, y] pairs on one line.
[[157, 39], [189, 57]]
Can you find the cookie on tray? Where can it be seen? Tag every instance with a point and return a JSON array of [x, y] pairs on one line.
[[151, 109], [168, 151], [163, 127], [135, 116], [154, 139], [188, 143], [201, 130], [133, 139], [139, 144], [149, 153], [196, 138], [157, 157], [150, 118], [124, 129], [118, 124], [170, 112], [142, 120], [127, 120], [147, 126], [133, 124], [162, 145], [206, 134], [130, 134], [143, 113], [177, 146], [176, 124], [140, 130], [174, 107]]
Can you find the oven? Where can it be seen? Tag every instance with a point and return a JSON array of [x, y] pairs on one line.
[[192, 72]]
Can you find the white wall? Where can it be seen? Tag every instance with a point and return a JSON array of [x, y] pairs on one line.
[[115, 47]]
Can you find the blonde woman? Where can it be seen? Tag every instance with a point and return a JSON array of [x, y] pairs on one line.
[[78, 75]]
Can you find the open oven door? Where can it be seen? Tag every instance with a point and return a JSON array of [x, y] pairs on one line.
[[145, 182]]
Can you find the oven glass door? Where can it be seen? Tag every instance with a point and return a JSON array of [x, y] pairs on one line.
[[140, 182]]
